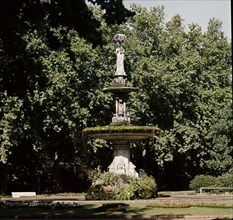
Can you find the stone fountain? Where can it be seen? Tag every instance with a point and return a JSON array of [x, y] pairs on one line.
[[120, 133]]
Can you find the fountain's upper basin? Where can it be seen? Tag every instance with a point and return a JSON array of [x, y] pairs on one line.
[[129, 133]]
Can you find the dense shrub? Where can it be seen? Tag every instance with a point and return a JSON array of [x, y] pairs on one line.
[[108, 185], [225, 180], [202, 181], [147, 187], [96, 192], [199, 181], [127, 192]]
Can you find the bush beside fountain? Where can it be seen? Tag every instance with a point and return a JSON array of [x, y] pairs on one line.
[[111, 186]]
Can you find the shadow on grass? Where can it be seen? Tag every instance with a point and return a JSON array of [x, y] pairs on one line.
[[97, 211], [132, 213], [85, 211], [38, 212], [162, 195]]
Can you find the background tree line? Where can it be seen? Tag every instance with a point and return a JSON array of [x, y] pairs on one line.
[[56, 57]]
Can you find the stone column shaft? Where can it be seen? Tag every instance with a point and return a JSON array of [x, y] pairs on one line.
[[121, 163]]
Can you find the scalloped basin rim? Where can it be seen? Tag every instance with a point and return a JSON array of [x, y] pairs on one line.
[[130, 133]]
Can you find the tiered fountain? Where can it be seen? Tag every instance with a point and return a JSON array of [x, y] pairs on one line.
[[120, 133]]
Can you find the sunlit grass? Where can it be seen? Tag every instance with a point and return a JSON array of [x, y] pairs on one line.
[[135, 208], [92, 210]]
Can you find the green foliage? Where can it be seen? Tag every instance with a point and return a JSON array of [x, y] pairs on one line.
[[202, 181], [199, 181], [52, 81], [147, 186], [97, 193], [225, 180], [184, 87], [108, 185], [10, 118]]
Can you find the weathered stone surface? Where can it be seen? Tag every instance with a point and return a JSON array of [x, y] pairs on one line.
[[120, 133], [121, 163]]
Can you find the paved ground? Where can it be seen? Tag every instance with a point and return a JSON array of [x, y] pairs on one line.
[[164, 198]]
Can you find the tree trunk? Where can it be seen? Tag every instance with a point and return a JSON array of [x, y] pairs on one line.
[[57, 173], [3, 178]]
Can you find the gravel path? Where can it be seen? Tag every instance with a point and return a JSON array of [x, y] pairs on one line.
[[167, 198]]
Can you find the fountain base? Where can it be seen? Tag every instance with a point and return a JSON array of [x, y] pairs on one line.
[[120, 138], [121, 163]]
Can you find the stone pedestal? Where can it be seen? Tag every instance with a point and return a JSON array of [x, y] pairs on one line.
[[121, 163]]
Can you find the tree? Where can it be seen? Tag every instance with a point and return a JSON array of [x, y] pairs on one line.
[[44, 82], [52, 79], [184, 81]]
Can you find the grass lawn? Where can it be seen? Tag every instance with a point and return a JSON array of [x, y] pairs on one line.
[[96, 210]]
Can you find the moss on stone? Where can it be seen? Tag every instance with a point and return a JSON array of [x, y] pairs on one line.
[[124, 132]]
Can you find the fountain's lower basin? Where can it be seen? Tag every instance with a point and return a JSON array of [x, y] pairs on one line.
[[114, 133], [120, 138]]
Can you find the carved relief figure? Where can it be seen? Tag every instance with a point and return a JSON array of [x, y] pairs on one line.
[[121, 107], [121, 166]]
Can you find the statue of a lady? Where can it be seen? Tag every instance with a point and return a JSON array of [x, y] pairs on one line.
[[120, 61], [119, 38]]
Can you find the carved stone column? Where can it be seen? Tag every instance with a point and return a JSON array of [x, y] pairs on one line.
[[121, 163]]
